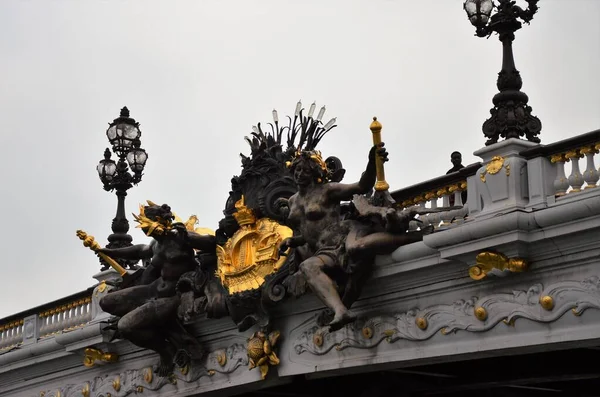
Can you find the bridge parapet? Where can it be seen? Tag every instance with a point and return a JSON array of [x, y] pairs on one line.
[[430, 301]]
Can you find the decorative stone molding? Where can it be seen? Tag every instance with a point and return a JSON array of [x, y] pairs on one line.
[[539, 304], [223, 361]]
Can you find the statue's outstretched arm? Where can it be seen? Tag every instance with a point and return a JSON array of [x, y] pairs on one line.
[[205, 243], [345, 191], [139, 251]]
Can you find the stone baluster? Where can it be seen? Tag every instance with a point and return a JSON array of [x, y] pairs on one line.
[[79, 318], [575, 179], [53, 320], [60, 318], [432, 198], [561, 183], [446, 216], [69, 316], [87, 310], [432, 219], [456, 216], [590, 175]]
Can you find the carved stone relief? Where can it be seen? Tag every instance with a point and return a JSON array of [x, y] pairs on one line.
[[539, 304], [222, 361]]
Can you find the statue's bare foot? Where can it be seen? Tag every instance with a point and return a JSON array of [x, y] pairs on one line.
[[166, 365], [340, 319]]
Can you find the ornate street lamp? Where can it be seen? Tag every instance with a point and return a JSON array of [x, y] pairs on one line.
[[124, 136], [511, 116]]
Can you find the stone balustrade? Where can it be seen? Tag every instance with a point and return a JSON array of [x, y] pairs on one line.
[[444, 191], [47, 320], [565, 158], [11, 333]]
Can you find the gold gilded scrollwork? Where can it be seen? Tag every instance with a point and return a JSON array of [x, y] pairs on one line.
[[493, 167], [148, 375], [487, 261], [92, 355], [85, 390], [318, 339], [116, 384], [557, 158], [252, 253], [221, 358]]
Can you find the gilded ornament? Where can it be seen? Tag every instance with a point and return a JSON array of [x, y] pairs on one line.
[[91, 243], [589, 149], [573, 154], [172, 379], [260, 351], [380, 183], [252, 253], [92, 355], [547, 302], [211, 372], [160, 226], [557, 158], [185, 369], [421, 323], [148, 375], [367, 332], [139, 389], [116, 384], [487, 261], [493, 167], [102, 286], [389, 332], [318, 339], [85, 390], [221, 358], [481, 313]]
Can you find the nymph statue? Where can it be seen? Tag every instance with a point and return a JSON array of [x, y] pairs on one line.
[[148, 311], [329, 244]]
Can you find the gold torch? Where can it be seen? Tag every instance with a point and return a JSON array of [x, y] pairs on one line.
[[382, 196]]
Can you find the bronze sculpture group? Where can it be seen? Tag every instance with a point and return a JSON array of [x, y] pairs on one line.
[[289, 225]]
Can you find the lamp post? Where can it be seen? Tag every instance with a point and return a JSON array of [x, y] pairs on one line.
[[124, 136], [511, 116]]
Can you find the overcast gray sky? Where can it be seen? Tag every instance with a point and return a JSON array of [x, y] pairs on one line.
[[198, 74]]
